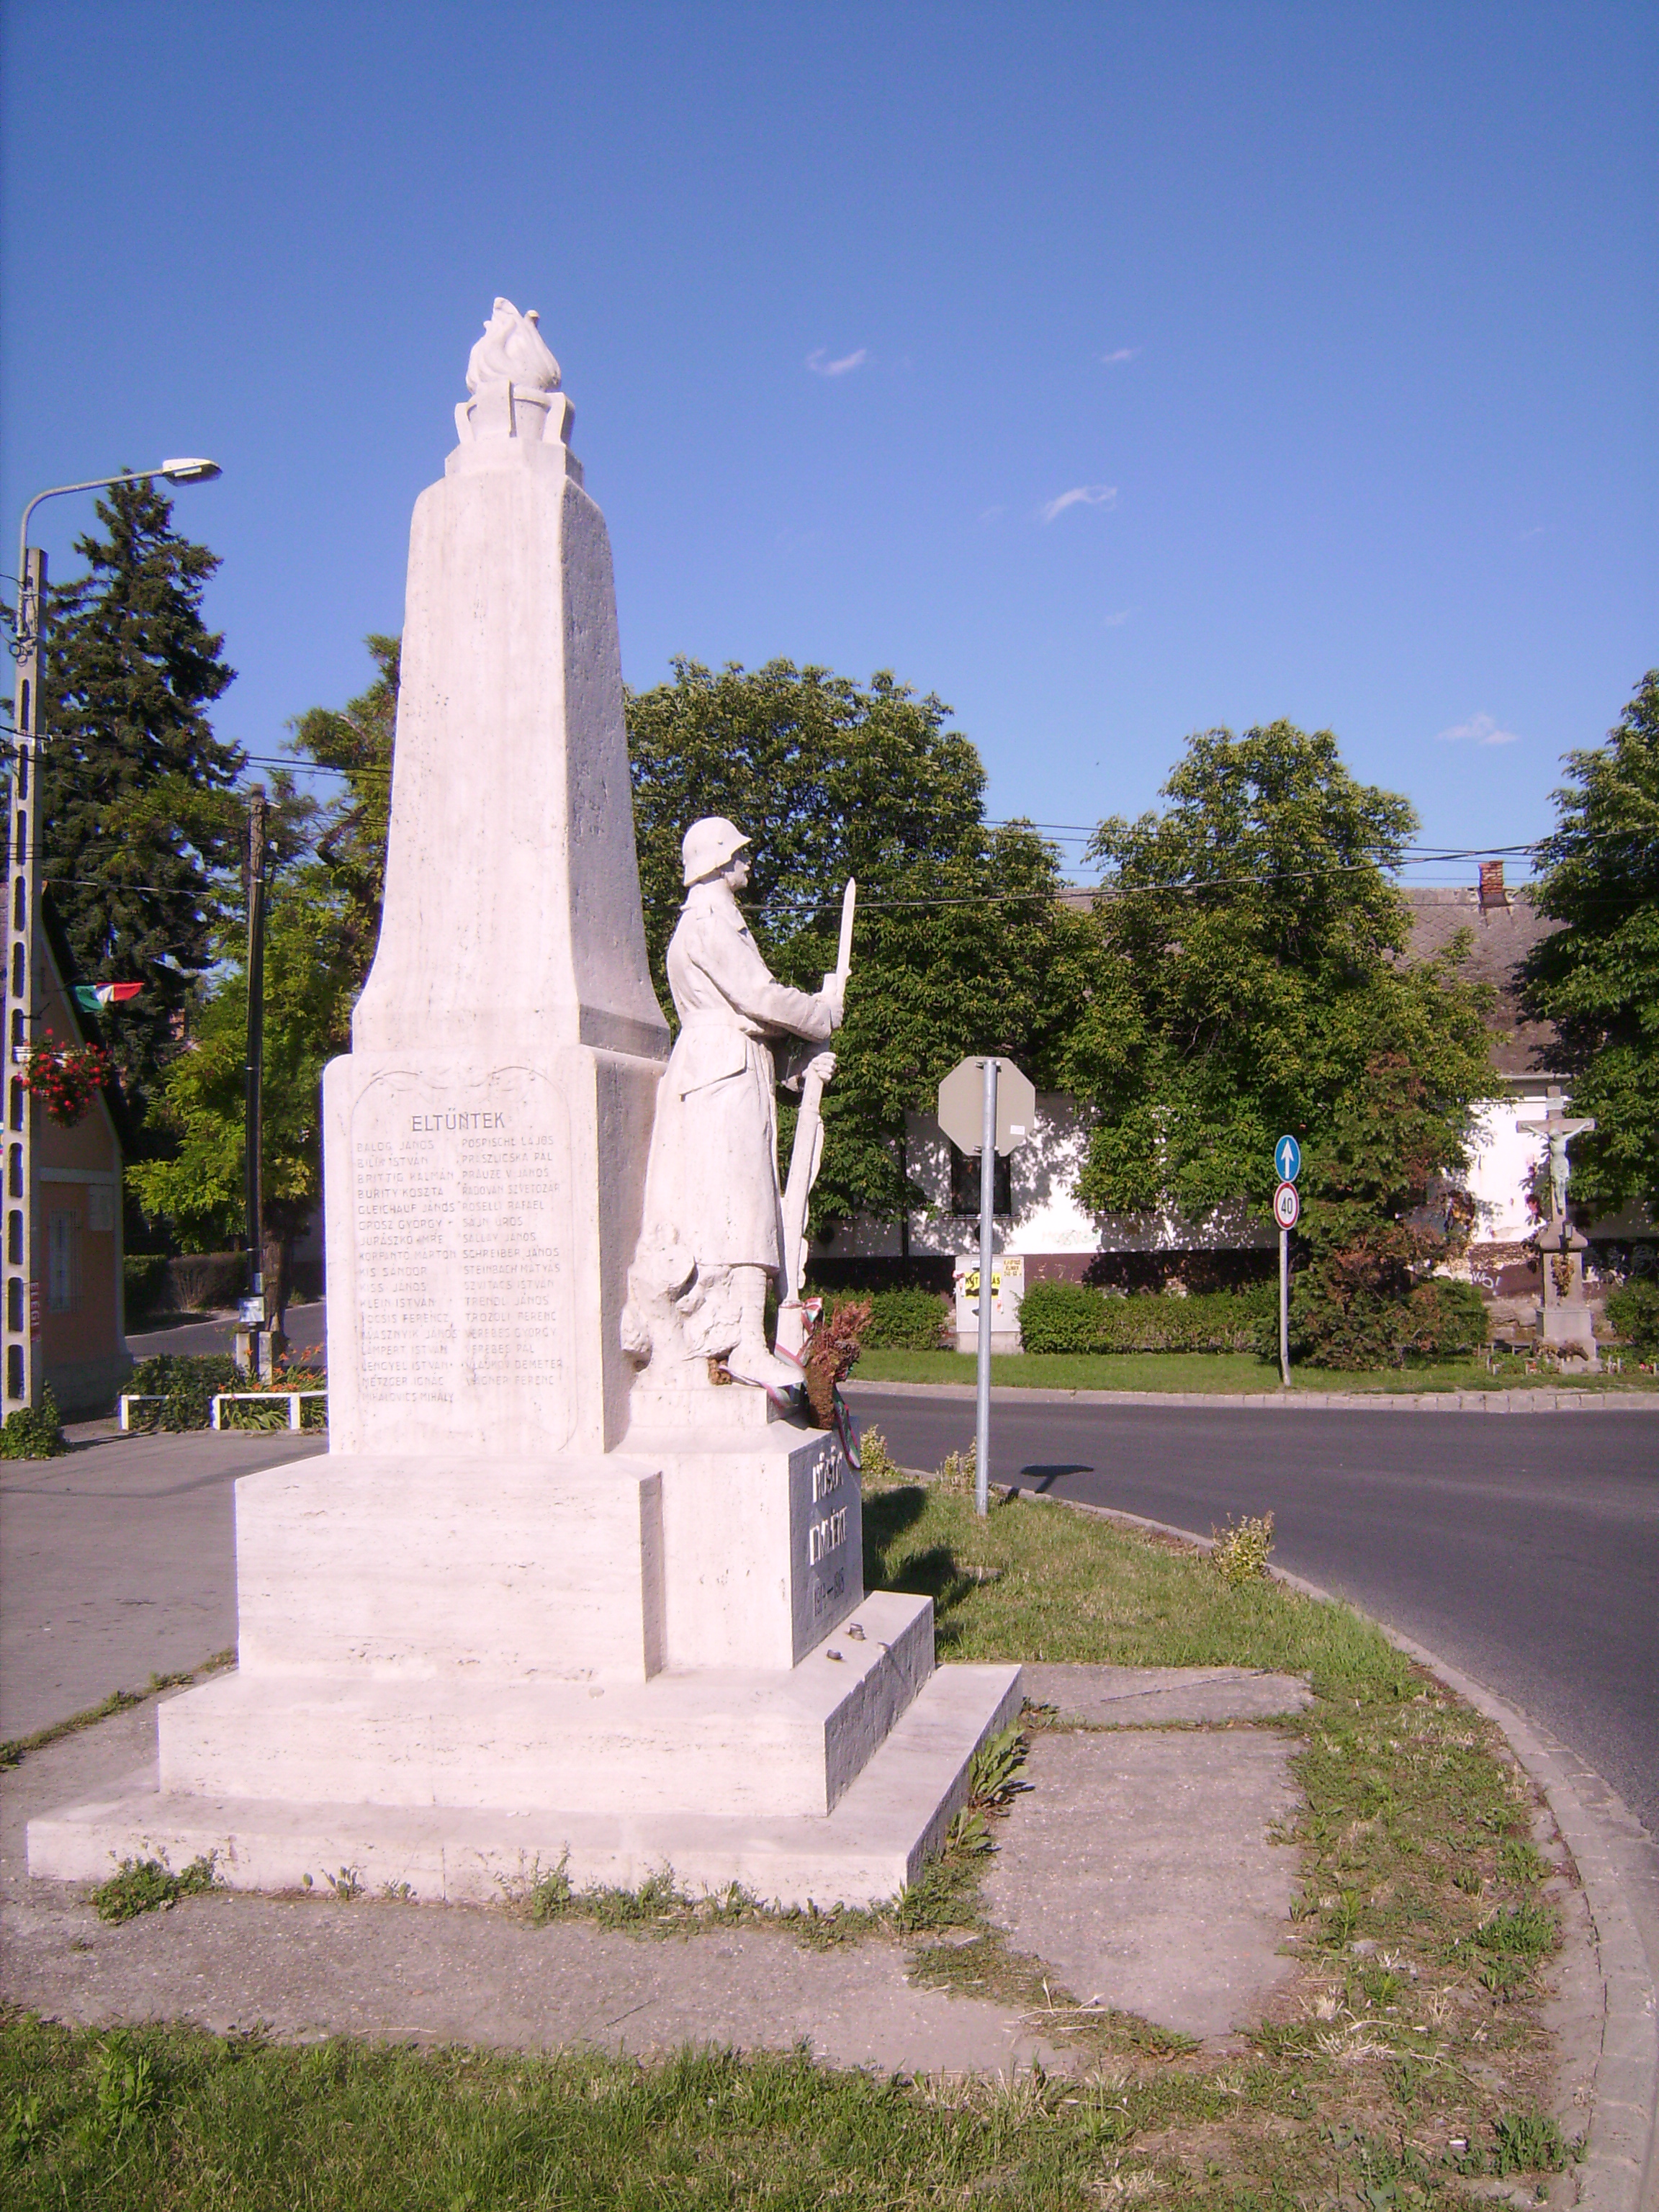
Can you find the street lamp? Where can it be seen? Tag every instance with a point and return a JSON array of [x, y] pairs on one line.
[[19, 1308]]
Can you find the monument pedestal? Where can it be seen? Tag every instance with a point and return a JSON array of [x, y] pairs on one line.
[[883, 1828], [1566, 1322], [451, 1674]]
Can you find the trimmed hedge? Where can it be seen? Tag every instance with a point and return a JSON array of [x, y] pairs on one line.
[[1076, 1317], [901, 1320], [186, 1382]]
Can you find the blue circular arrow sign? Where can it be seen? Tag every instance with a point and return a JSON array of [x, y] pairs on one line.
[[1287, 1158]]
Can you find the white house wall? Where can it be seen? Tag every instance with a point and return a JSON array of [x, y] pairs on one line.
[[1047, 1218]]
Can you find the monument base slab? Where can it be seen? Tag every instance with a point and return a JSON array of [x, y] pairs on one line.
[[881, 1832], [759, 1743]]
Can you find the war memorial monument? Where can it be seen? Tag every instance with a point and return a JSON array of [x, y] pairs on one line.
[[575, 1582]]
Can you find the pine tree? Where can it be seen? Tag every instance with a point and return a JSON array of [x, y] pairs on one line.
[[142, 835]]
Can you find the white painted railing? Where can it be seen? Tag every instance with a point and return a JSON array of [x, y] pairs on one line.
[[264, 1398]]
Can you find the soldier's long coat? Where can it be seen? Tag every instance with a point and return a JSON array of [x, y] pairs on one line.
[[713, 1176]]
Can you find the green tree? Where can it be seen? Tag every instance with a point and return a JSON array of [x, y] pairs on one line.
[[1367, 1234], [1248, 972], [961, 944], [311, 984], [140, 830], [356, 743], [1597, 979]]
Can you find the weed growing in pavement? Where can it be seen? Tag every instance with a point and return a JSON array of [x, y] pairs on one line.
[[151, 1886], [945, 1896], [15, 1749], [1239, 1554]]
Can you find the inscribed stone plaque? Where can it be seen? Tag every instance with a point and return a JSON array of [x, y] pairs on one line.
[[462, 1214]]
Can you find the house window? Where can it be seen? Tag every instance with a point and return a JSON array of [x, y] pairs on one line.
[[964, 1183], [64, 1262]]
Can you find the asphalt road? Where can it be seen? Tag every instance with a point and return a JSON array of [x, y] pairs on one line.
[[1523, 1548], [305, 1333]]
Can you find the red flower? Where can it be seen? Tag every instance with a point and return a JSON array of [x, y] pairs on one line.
[[66, 1078]]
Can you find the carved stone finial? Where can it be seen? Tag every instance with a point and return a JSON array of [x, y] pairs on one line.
[[511, 351]]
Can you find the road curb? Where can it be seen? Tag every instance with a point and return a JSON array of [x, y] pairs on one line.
[[1317, 1401], [1623, 2132]]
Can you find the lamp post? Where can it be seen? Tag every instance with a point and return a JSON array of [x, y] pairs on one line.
[[20, 1310]]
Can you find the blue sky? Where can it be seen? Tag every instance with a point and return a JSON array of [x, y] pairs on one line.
[[1113, 371]]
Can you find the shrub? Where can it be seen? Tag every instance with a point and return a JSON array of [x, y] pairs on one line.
[[1340, 1318], [33, 1431], [201, 1282], [902, 1319], [1634, 1312], [1061, 1317], [1075, 1317], [145, 1277], [1450, 1319], [186, 1383], [911, 1320]]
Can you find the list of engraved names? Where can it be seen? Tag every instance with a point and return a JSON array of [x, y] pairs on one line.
[[460, 1215]]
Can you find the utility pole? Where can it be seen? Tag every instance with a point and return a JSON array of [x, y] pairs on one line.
[[21, 1333], [254, 1310]]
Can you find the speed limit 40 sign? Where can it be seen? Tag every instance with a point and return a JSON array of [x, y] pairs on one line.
[[1287, 1206]]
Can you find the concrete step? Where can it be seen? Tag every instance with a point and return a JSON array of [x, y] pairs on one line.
[[882, 1829], [755, 1741]]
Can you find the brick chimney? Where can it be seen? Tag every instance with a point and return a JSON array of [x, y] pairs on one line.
[[1492, 892]]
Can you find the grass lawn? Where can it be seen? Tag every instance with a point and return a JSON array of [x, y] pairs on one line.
[[1407, 2061], [1216, 1371]]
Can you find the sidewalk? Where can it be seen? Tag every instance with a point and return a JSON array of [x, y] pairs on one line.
[[117, 1562]]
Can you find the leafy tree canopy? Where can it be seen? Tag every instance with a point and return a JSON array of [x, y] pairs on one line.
[[960, 945], [356, 744], [310, 987], [1248, 968], [142, 834], [1597, 979]]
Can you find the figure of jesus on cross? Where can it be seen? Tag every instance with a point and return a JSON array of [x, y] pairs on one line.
[[1559, 1127]]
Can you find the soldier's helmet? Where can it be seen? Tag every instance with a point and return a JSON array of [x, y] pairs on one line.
[[709, 845]]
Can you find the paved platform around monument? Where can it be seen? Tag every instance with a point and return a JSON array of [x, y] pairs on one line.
[[1089, 1890]]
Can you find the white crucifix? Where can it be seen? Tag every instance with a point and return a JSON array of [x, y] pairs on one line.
[[1558, 1125]]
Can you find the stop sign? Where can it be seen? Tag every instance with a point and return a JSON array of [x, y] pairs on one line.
[[961, 1105]]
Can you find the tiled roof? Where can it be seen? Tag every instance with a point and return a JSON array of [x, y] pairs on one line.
[[1503, 936]]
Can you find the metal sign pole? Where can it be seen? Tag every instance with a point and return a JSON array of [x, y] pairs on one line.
[[988, 1198], [1284, 1307]]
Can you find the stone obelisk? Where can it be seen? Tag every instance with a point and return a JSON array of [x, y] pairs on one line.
[[486, 1135], [541, 1602]]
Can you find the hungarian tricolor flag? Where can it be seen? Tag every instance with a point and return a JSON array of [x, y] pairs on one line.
[[93, 995]]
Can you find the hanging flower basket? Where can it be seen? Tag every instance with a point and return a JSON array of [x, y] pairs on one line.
[[66, 1078]]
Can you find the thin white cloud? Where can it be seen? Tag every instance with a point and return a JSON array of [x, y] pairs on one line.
[[1080, 495], [991, 514], [1123, 353], [1117, 620], [1479, 730], [819, 366]]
